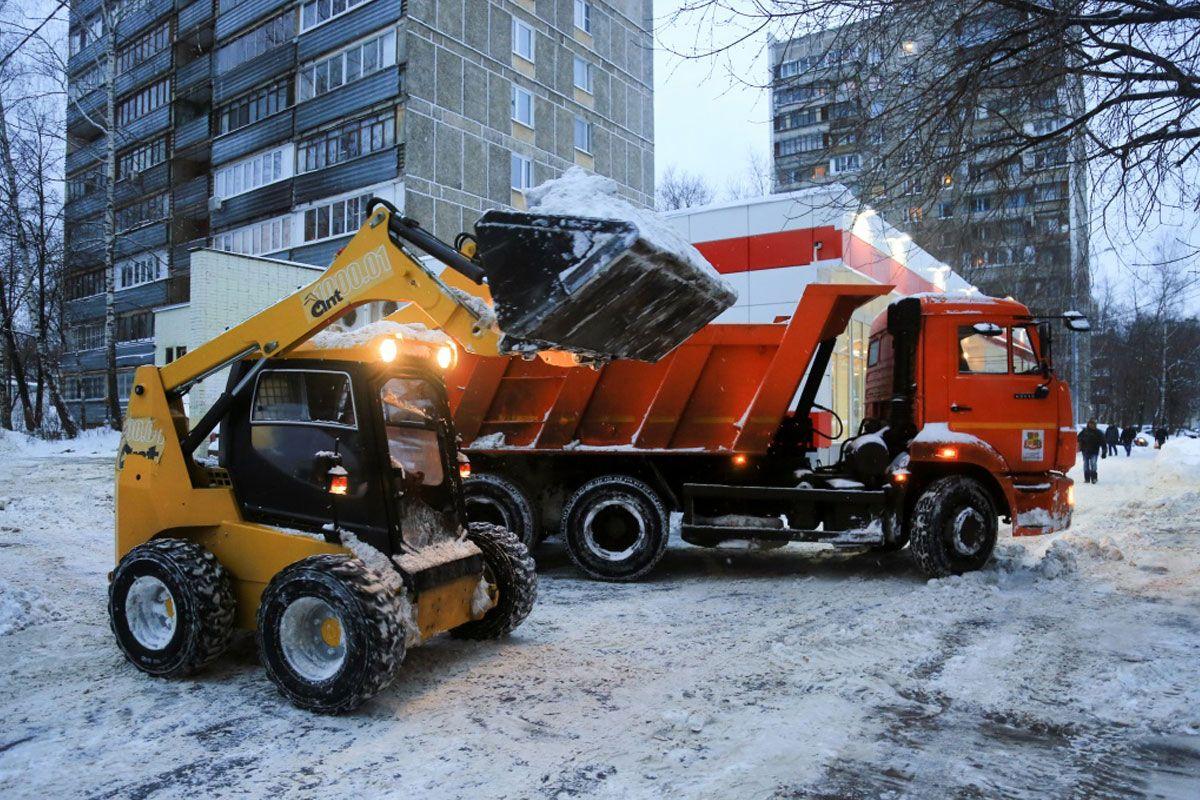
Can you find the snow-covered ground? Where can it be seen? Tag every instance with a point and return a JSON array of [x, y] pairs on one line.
[[1069, 668]]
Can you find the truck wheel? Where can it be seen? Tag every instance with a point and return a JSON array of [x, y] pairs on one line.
[[498, 500], [953, 527], [330, 634], [171, 606], [512, 578], [615, 528]]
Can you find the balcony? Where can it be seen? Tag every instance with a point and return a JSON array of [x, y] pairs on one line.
[[193, 73], [192, 195], [191, 133], [193, 16]]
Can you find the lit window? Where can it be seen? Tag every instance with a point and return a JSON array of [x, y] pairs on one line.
[[522, 106], [523, 42], [583, 75], [522, 173]]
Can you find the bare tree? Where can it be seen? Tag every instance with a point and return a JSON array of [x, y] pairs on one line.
[[755, 180], [679, 189]]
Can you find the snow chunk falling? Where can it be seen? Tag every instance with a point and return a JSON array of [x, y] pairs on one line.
[[580, 194]]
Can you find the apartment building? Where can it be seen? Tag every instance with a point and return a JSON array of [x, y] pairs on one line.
[[261, 127], [1020, 230]]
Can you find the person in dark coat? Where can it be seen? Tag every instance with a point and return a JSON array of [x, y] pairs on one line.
[[1127, 437], [1112, 437], [1091, 441], [1160, 437]]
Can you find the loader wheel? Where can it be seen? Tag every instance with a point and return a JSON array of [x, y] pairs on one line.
[[615, 528], [498, 500], [171, 606], [330, 634], [512, 578], [954, 527]]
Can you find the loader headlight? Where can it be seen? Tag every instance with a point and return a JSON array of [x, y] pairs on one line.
[[445, 356], [388, 350]]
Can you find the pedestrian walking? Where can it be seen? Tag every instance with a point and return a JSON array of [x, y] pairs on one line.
[[1160, 437], [1091, 442], [1127, 437], [1112, 438]]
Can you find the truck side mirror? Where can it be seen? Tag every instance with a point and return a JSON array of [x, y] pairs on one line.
[[1041, 392], [1076, 321]]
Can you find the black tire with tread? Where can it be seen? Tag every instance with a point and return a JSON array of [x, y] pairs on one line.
[[515, 575], [372, 618], [943, 498], [510, 499], [650, 507], [204, 601]]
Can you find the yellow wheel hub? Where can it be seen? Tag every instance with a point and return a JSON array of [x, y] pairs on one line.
[[331, 631]]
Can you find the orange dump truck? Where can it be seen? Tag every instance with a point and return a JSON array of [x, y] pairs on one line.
[[966, 422]]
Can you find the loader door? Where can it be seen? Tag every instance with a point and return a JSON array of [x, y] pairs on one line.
[[1000, 393], [278, 472]]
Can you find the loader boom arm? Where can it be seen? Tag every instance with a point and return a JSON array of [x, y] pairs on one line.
[[372, 267]]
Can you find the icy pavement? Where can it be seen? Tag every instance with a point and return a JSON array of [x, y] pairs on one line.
[[1069, 668]]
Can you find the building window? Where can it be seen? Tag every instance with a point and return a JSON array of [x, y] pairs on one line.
[[143, 101], [144, 47], [583, 15], [347, 141], [85, 284], [258, 104], [253, 172], [85, 336], [141, 158], [522, 173], [357, 61], [258, 41], [522, 106], [79, 87], [142, 268], [523, 40], [84, 387], [848, 162], [799, 119], [173, 353], [84, 183], [314, 12], [269, 236], [90, 30], [800, 94], [336, 218], [136, 326], [583, 75], [800, 144], [945, 210], [583, 135], [147, 210], [981, 203]]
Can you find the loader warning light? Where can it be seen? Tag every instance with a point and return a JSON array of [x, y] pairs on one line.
[[740, 460], [948, 453], [339, 482], [387, 350], [464, 469], [900, 476]]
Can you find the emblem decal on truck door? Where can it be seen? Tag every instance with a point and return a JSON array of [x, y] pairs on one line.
[[1033, 445]]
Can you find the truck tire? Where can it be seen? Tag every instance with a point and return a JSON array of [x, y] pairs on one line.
[[615, 528], [330, 634], [499, 500], [954, 527], [510, 569], [171, 607]]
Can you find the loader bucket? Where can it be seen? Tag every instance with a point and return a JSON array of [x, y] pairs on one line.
[[592, 286]]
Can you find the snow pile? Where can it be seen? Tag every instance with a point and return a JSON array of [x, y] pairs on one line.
[[92, 442], [338, 338], [493, 441], [20, 608], [476, 305], [940, 433], [580, 194]]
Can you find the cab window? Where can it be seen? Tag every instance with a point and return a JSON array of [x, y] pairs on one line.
[[1025, 359], [873, 351], [410, 418], [982, 353], [304, 397]]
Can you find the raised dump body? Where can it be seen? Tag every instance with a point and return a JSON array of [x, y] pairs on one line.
[[727, 389]]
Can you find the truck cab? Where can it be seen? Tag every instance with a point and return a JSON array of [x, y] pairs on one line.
[[969, 383]]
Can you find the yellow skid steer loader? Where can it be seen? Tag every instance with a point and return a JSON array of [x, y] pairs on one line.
[[332, 522]]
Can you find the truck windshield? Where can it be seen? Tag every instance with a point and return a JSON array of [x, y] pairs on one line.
[[410, 414]]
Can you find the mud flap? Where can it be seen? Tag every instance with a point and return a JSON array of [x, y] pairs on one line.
[[1042, 507], [592, 286]]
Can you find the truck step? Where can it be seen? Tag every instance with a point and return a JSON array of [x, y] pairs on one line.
[[711, 535]]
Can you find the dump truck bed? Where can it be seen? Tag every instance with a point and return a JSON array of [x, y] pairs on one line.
[[725, 389]]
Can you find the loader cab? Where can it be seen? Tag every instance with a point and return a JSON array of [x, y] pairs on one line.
[[362, 446], [979, 366]]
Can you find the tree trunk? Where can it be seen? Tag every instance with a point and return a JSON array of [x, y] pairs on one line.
[[20, 248], [112, 405]]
